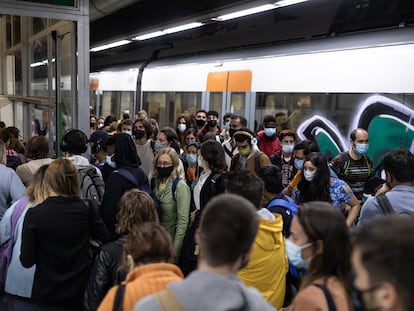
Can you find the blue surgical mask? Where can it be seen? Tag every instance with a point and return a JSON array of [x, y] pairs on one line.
[[309, 175], [182, 127], [298, 164], [127, 132], [269, 131], [361, 148], [294, 254], [191, 158], [226, 125], [158, 146], [110, 162], [287, 148]]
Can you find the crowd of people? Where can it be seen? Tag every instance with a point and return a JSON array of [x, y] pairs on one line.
[[202, 216]]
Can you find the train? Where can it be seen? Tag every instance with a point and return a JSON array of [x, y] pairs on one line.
[[321, 88]]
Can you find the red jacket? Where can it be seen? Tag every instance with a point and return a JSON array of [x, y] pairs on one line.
[[268, 145]]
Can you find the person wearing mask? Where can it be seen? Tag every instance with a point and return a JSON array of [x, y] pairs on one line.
[[319, 243], [190, 136], [226, 126], [175, 206], [229, 146], [212, 127], [167, 137], [268, 141], [142, 131], [97, 142], [126, 126], [200, 119], [192, 169], [183, 123]]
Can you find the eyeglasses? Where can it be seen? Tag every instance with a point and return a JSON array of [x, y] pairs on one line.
[[163, 164]]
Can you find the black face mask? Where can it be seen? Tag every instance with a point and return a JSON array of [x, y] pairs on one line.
[[200, 122], [212, 123], [165, 172], [138, 134]]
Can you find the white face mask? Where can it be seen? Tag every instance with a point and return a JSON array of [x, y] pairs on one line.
[[127, 132], [182, 127], [288, 148], [294, 254], [309, 175]]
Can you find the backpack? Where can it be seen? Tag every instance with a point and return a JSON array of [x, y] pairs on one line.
[[347, 162], [288, 204], [6, 250], [256, 160], [92, 184], [144, 187], [173, 187]]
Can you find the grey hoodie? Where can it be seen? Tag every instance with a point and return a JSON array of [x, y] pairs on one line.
[[202, 291]]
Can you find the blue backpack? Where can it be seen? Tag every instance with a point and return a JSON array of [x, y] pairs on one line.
[[285, 202]]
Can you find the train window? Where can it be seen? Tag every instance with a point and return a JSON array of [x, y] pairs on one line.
[[155, 103], [186, 103], [38, 67], [114, 102], [37, 25], [216, 101], [8, 31], [18, 82], [238, 103], [16, 30]]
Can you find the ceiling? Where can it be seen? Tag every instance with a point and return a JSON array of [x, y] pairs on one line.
[[314, 19]]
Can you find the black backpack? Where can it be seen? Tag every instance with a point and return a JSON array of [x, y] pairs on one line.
[[91, 184]]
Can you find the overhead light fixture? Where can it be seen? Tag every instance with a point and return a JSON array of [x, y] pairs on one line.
[[41, 63], [283, 3], [168, 31], [255, 10], [109, 45]]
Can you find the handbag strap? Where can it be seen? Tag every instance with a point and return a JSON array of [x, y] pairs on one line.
[[168, 301], [119, 298], [385, 204], [328, 296]]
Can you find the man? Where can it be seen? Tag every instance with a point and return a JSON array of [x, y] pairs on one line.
[[201, 119], [211, 127], [354, 166], [226, 126], [229, 146], [249, 158], [285, 160], [141, 133], [97, 141], [382, 261], [225, 243], [399, 174], [269, 142], [126, 126], [268, 265]]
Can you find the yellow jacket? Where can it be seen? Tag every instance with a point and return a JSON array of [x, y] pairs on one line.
[[268, 263]]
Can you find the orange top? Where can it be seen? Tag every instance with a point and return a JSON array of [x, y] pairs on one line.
[[143, 281]]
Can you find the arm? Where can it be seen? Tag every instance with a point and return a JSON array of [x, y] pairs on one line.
[[5, 224], [98, 230], [183, 198], [17, 188], [310, 299], [354, 212], [28, 251]]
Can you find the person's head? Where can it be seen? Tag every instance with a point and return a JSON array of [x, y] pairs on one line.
[[382, 259], [226, 234], [287, 140], [245, 140], [166, 164], [319, 242], [3, 157], [37, 190], [92, 122], [236, 124], [13, 131], [2, 125], [183, 123], [191, 153], [142, 128], [272, 179], [61, 178], [125, 154], [269, 126], [147, 243], [201, 118], [135, 208], [315, 167], [38, 147], [155, 128], [5, 136], [97, 142], [109, 120], [167, 137], [399, 167], [301, 150], [246, 185], [74, 142], [359, 141], [212, 153], [226, 120], [212, 118], [126, 126], [100, 123], [142, 114], [190, 136], [126, 114]]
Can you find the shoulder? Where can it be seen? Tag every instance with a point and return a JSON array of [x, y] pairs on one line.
[[149, 303], [309, 298]]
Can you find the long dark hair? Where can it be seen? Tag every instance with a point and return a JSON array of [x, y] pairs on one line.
[[318, 188], [322, 222]]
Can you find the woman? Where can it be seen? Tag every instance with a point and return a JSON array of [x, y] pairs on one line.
[[183, 123], [192, 169], [317, 184], [19, 280], [175, 207], [209, 184], [319, 242], [167, 137], [142, 131], [190, 136], [148, 252], [55, 238], [135, 208], [127, 175]]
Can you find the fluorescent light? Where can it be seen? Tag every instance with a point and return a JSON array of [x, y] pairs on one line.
[[257, 9], [41, 63], [110, 45], [168, 31], [283, 3]]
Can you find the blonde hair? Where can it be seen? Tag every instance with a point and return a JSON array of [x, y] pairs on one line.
[[135, 208], [62, 178], [37, 190], [177, 169], [3, 158]]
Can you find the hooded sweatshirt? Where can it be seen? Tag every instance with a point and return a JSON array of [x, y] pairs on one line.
[[268, 264], [206, 291]]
